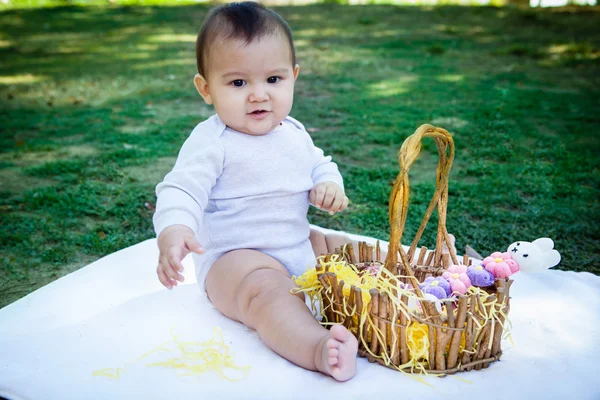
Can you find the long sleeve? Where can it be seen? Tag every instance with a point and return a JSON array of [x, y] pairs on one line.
[[325, 170], [183, 194]]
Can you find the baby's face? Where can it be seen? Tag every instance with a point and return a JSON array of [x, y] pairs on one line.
[[251, 86]]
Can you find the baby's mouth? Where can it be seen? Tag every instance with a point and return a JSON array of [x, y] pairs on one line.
[[259, 112]]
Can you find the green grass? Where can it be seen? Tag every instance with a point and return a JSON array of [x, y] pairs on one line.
[[96, 102]]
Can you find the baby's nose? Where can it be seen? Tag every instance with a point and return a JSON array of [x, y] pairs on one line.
[[259, 93]]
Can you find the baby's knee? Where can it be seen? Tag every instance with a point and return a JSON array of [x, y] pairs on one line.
[[259, 286]]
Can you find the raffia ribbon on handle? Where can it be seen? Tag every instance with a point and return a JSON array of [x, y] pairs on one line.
[[409, 152]]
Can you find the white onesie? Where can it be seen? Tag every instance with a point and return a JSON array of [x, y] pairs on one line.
[[237, 191]]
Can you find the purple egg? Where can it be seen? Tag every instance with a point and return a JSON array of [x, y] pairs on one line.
[[480, 276], [436, 286]]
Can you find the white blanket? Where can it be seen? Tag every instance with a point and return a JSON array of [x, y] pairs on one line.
[[113, 311]]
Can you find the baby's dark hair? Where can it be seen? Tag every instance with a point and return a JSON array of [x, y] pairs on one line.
[[245, 20]]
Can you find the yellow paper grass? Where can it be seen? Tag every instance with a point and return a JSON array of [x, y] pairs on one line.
[[191, 358]]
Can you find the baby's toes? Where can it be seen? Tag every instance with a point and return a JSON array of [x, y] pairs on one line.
[[334, 355], [332, 344]]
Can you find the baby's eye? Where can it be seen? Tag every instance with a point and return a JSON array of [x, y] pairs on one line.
[[238, 82], [273, 79]]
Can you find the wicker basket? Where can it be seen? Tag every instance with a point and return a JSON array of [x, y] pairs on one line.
[[465, 335]]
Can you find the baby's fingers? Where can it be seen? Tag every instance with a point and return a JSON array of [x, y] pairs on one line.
[[329, 198], [162, 277], [337, 203], [344, 204], [193, 245], [317, 194], [174, 266]]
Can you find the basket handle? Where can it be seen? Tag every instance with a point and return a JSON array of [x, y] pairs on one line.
[[409, 152]]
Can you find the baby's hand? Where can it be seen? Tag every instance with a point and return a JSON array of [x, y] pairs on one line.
[[328, 196], [174, 243]]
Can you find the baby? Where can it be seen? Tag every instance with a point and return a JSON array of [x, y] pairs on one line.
[[239, 193]]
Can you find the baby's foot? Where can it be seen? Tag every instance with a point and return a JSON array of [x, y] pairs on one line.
[[338, 354]]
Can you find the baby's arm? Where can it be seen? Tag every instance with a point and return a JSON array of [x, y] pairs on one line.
[[181, 199], [328, 191]]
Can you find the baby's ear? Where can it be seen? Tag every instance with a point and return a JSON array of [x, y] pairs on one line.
[[552, 258], [202, 88], [545, 244]]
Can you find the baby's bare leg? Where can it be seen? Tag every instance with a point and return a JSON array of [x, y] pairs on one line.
[[253, 288], [318, 242], [327, 243]]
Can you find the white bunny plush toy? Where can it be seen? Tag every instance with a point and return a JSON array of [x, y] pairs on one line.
[[536, 256]]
